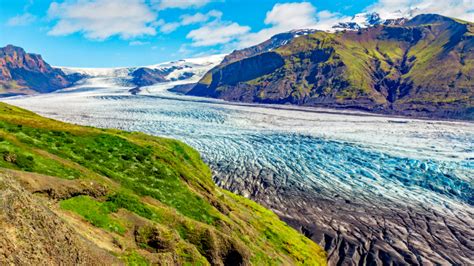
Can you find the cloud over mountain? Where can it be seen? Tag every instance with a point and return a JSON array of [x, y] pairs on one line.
[[463, 9], [217, 32]]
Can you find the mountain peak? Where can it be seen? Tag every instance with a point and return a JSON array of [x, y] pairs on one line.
[[365, 20], [10, 49], [424, 19], [25, 73], [315, 72]]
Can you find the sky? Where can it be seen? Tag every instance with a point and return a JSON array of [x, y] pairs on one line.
[[112, 33]]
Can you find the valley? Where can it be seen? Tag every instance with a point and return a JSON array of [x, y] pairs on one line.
[[355, 134], [367, 188]]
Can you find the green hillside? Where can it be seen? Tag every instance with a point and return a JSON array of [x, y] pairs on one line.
[[129, 196], [423, 66]]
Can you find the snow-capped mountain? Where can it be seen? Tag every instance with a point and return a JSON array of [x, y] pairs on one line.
[[187, 69], [198, 66], [98, 72], [274, 42], [357, 22], [283, 38], [191, 70], [370, 19]]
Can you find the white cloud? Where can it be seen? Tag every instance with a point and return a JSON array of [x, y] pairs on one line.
[[217, 32], [463, 9], [183, 4], [184, 50], [281, 18], [21, 20], [191, 19], [188, 19], [138, 43], [169, 27], [100, 19], [292, 16], [327, 19]]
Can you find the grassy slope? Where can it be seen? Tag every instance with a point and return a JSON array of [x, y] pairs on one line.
[[435, 70], [161, 203]]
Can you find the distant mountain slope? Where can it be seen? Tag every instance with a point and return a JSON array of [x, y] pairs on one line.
[[24, 73], [422, 67], [80, 195], [186, 69]]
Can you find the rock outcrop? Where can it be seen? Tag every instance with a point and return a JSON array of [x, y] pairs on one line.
[[30, 233], [25, 73]]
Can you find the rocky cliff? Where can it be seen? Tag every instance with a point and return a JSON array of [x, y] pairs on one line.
[[25, 73], [423, 67]]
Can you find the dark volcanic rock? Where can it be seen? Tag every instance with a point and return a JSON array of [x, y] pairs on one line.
[[248, 69], [183, 88], [358, 232], [243, 70], [144, 76], [135, 90]]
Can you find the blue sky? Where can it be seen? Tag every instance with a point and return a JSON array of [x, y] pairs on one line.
[[104, 33]]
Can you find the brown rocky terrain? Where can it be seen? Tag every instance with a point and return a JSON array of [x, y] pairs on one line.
[[25, 73], [31, 233]]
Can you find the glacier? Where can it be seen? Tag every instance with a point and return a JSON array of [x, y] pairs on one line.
[[364, 186]]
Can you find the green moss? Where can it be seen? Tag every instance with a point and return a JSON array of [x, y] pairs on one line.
[[132, 258], [131, 203], [97, 213], [277, 235], [23, 158], [207, 79], [136, 167], [189, 255], [318, 40]]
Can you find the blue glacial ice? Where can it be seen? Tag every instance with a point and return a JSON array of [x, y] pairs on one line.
[[360, 156]]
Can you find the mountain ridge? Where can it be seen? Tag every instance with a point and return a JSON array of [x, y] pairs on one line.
[[423, 67], [26, 73]]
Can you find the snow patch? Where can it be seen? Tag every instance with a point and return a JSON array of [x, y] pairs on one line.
[[118, 76]]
